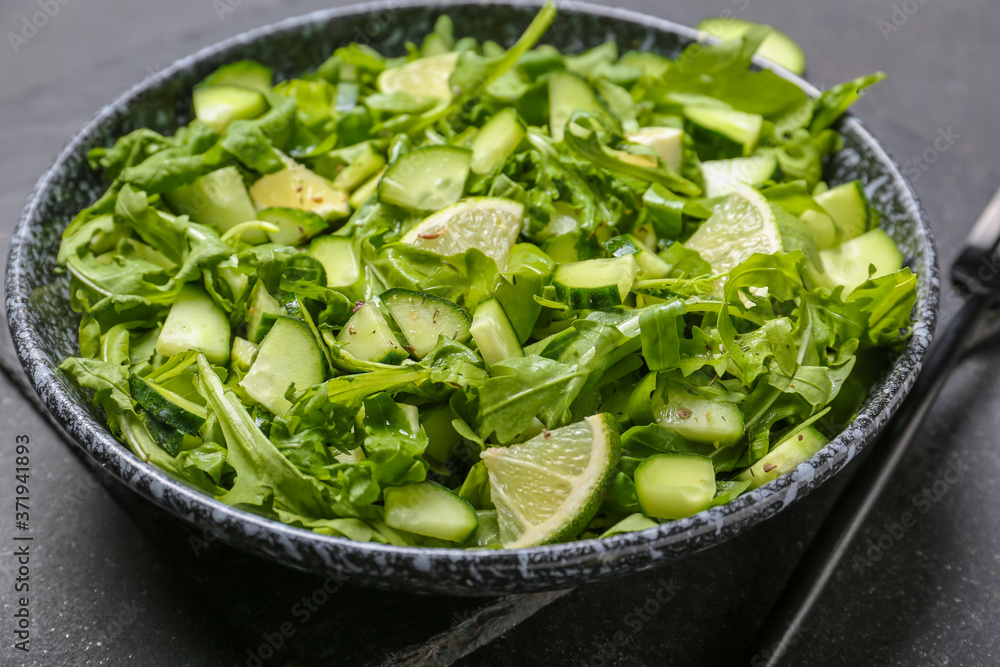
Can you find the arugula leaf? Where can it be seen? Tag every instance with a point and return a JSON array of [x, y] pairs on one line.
[[263, 476], [722, 72], [537, 386], [589, 137], [474, 74], [834, 102]]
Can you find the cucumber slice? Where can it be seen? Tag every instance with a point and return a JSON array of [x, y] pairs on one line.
[[288, 356], [668, 142], [431, 510], [296, 186], [217, 106], [488, 533], [724, 133], [423, 317], [530, 256], [777, 47], [264, 311], [243, 73], [824, 230], [569, 93], [427, 179], [595, 283], [697, 418], [723, 176], [442, 438], [666, 211], [673, 486], [367, 336], [785, 456], [170, 408], [651, 64], [496, 141], [242, 354], [793, 450], [350, 167], [849, 207], [493, 333], [368, 190], [339, 257], [517, 296], [562, 248], [218, 198], [295, 226], [195, 322], [848, 264], [650, 265]]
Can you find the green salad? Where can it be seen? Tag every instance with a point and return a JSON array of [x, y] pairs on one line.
[[482, 297]]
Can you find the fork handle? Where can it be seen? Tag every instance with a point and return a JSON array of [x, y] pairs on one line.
[[804, 587]]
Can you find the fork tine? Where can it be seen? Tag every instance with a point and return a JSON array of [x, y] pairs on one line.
[[980, 244]]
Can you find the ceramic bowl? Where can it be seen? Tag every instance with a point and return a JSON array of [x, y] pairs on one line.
[[44, 327]]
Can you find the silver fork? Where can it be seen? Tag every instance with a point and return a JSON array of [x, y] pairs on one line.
[[807, 582]]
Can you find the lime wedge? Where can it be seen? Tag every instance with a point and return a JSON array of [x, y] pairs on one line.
[[549, 488], [424, 77], [742, 225], [490, 224]]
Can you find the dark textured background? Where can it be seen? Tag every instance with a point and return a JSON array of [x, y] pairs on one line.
[[120, 587]]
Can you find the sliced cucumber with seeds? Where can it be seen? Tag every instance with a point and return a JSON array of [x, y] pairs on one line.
[[496, 141], [697, 418], [288, 356], [494, 335], [264, 311], [218, 198], [673, 486], [785, 456], [195, 322], [427, 179], [243, 73], [295, 226], [595, 283], [218, 106], [423, 317], [367, 337], [431, 510], [168, 407]]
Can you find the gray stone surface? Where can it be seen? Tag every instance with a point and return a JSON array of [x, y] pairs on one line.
[[930, 595]]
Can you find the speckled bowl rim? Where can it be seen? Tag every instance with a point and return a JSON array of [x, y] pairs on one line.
[[457, 571]]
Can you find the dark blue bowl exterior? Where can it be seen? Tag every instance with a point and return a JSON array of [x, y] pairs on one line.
[[44, 327]]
